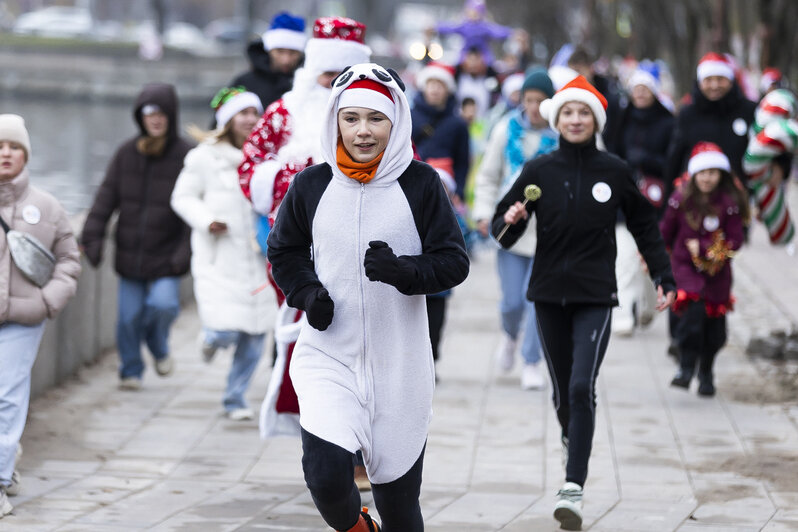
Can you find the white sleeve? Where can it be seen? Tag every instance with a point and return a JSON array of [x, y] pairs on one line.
[[489, 177], [187, 196], [261, 186]]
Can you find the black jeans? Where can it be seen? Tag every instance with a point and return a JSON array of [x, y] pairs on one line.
[[574, 339], [436, 316], [700, 338], [329, 475]]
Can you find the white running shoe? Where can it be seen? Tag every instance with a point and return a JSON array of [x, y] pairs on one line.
[[130, 384], [532, 377], [240, 414], [5, 505], [164, 366], [505, 354], [568, 510]]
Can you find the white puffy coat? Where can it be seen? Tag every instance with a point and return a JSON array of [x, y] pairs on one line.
[[227, 268]]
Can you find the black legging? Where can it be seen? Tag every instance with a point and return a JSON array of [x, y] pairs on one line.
[[436, 316], [329, 474], [700, 338], [574, 339]]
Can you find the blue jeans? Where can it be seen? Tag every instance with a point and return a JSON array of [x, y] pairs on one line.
[[147, 310], [19, 345], [249, 348], [516, 309]]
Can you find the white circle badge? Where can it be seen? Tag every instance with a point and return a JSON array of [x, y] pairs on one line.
[[602, 192], [31, 214], [711, 223], [740, 127], [654, 192]]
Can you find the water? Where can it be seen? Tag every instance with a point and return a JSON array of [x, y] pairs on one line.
[[72, 142]]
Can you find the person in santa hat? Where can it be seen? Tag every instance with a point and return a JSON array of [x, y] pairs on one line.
[[358, 242], [703, 227], [579, 191], [274, 58], [287, 139], [438, 131], [719, 113]]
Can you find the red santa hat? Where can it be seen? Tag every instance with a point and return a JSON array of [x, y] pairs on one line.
[[371, 95], [707, 155], [714, 64], [440, 71], [576, 90], [337, 43]]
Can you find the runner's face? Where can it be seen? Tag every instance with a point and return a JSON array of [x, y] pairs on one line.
[[715, 87], [642, 97], [364, 132], [156, 124], [12, 159], [243, 124], [576, 122], [531, 102], [707, 180]]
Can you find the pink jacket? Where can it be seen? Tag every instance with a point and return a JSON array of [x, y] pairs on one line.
[[30, 210]]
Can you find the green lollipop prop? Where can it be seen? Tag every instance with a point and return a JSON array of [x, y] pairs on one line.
[[531, 193]]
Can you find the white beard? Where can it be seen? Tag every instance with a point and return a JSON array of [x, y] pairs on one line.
[[306, 103]]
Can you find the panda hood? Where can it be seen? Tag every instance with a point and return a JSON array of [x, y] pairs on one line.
[[399, 150]]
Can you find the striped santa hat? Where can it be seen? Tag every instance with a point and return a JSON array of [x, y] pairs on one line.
[[371, 95], [707, 155]]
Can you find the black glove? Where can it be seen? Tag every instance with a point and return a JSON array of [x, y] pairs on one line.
[[316, 302], [382, 265]]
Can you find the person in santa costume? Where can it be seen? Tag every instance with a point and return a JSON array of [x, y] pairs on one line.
[[285, 141], [359, 240], [703, 227], [579, 190]]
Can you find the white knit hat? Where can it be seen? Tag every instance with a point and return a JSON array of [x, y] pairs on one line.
[[707, 155], [440, 71], [338, 42], [12, 128], [235, 104], [576, 90], [714, 64]]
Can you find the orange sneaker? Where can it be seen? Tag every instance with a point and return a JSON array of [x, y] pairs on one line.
[[365, 523]]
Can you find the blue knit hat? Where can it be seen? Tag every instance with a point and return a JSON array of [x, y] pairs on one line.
[[286, 31], [538, 79]]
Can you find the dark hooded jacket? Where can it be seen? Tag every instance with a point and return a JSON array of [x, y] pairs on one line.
[[724, 122], [441, 134], [267, 84], [151, 240]]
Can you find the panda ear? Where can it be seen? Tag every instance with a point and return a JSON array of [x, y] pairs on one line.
[[343, 78], [396, 78]]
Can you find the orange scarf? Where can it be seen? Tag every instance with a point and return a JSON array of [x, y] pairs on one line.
[[360, 172]]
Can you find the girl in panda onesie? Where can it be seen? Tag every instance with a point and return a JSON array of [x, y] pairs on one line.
[[357, 243]]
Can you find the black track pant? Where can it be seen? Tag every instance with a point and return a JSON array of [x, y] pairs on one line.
[[436, 316], [574, 339], [330, 477], [700, 338]]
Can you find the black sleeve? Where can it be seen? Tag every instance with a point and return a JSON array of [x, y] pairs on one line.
[[443, 262], [674, 161], [290, 240], [105, 203], [516, 193], [641, 220]]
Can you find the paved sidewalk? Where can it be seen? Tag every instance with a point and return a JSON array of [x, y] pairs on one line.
[[164, 459]]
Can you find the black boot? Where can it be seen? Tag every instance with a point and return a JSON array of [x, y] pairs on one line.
[[682, 378], [706, 388]]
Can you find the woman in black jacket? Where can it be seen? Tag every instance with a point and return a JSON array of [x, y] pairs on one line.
[[573, 279], [152, 243]]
